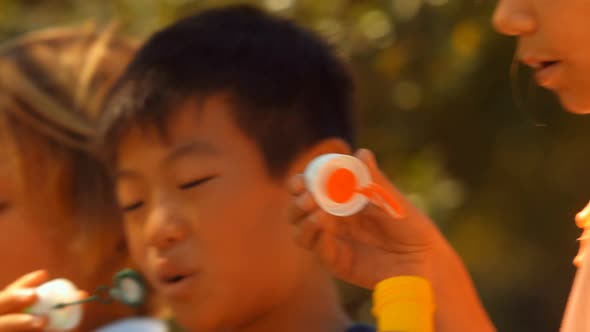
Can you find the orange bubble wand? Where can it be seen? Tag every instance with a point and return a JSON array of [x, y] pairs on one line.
[[342, 186]]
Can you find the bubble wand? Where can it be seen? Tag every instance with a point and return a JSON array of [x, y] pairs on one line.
[[59, 299], [342, 186]]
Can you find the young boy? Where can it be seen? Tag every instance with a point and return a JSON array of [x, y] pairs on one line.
[[208, 122], [213, 117]]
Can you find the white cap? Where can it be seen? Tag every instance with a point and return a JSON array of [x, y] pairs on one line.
[[55, 292], [319, 170], [143, 324]]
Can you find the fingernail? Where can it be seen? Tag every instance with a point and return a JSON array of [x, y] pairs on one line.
[[38, 321], [313, 218], [371, 156], [296, 183], [24, 294], [305, 202]]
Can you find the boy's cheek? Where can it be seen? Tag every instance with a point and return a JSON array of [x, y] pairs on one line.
[[136, 246]]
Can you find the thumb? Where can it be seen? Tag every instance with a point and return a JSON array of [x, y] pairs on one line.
[[367, 157]]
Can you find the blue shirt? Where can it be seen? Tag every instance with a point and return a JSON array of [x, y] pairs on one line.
[[361, 328]]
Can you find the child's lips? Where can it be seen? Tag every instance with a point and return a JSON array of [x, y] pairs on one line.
[[547, 75], [547, 70], [174, 280], [178, 286]]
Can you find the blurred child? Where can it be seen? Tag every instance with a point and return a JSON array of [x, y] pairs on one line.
[[57, 212], [552, 41]]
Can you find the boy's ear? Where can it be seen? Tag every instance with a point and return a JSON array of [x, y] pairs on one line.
[[329, 145]]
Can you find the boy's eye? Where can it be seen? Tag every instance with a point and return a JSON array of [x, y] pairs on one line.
[[195, 183], [131, 207]]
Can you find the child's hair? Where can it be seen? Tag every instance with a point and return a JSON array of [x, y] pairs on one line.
[[287, 88], [52, 87]]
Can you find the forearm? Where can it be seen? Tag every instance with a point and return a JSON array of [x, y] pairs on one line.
[[458, 307]]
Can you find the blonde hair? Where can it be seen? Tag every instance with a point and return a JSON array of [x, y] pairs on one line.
[[53, 84]]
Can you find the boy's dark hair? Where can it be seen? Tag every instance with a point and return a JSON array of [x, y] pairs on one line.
[[287, 87]]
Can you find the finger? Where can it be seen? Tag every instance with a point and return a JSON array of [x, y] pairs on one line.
[[336, 232], [22, 323], [306, 203], [16, 300], [341, 227], [29, 280], [583, 217], [379, 177], [336, 254], [82, 294], [367, 157], [378, 224], [302, 206], [296, 184], [309, 231], [326, 248], [361, 228], [335, 237]]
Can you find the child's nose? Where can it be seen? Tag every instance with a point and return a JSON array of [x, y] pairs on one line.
[[165, 228], [514, 18]]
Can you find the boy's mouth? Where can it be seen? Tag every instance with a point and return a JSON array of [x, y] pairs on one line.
[[169, 275], [547, 73], [177, 286], [547, 70], [539, 63], [173, 279]]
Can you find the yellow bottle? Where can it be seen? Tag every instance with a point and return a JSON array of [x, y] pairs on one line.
[[404, 304]]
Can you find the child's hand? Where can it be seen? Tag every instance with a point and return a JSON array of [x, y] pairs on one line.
[[15, 298], [370, 246], [583, 221], [583, 217]]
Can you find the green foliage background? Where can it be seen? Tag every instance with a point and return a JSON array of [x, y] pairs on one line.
[[502, 182]]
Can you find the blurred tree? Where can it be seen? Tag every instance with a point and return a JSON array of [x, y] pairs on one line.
[[437, 105]]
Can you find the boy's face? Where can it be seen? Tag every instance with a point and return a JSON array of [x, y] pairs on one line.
[[204, 220]]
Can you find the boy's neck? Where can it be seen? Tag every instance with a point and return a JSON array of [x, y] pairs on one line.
[[314, 307]]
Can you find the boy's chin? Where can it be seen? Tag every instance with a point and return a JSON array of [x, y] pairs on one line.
[[213, 315], [196, 318], [576, 103]]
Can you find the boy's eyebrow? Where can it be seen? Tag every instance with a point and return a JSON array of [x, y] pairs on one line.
[[194, 147]]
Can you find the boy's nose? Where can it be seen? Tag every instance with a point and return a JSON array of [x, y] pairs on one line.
[[165, 228], [514, 18]]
